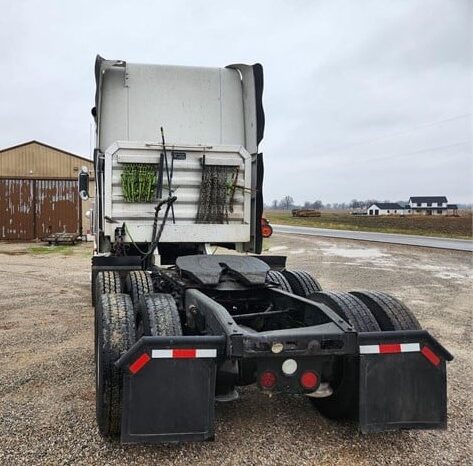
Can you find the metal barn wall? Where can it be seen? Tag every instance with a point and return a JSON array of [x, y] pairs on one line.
[[16, 209], [35, 208], [57, 207], [31, 173]]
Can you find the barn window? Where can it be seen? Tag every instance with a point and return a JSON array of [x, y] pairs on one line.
[[439, 211]]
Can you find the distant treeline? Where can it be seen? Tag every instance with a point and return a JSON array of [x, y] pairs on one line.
[[287, 203]]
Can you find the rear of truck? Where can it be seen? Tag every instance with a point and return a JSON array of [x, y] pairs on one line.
[[178, 327]]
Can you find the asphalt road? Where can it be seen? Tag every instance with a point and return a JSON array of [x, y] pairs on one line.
[[411, 240]]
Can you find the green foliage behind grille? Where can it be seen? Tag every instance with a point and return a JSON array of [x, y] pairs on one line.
[[138, 182]]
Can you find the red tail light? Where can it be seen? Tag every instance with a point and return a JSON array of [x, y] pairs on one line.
[[309, 380], [267, 380]]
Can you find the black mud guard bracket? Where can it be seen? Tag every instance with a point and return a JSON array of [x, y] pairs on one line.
[[169, 389], [403, 381]]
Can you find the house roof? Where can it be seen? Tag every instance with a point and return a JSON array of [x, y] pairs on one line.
[[428, 199], [45, 145], [388, 205], [452, 206]]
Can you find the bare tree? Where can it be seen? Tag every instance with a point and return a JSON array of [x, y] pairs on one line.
[[287, 202]]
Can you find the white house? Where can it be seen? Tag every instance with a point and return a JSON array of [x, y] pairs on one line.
[[428, 205], [387, 208]]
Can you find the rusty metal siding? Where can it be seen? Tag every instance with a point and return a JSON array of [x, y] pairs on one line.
[[32, 209], [36, 160], [16, 209], [57, 207], [26, 167]]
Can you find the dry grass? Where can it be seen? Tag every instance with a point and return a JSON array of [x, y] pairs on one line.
[[443, 226]]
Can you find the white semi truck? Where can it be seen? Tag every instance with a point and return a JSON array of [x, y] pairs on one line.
[[178, 327]]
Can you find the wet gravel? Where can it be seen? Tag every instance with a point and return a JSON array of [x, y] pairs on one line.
[[47, 400]]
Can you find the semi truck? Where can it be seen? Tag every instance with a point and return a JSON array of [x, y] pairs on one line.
[[180, 325]]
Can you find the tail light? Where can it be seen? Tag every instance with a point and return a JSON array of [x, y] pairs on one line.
[[267, 380], [309, 380]]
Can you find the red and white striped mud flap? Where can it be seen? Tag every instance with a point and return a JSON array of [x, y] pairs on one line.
[[403, 382], [169, 389]]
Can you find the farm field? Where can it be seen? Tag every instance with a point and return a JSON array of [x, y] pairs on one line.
[[442, 226]]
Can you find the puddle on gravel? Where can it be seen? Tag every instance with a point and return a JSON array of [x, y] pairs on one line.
[[277, 248], [355, 253], [444, 272], [296, 251]]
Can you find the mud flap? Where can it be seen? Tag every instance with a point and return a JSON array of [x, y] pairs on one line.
[[403, 381], [169, 389]]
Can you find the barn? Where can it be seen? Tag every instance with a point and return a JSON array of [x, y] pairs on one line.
[[38, 192]]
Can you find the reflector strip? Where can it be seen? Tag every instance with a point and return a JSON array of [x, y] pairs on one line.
[[430, 355], [161, 353], [139, 363], [410, 347], [390, 348], [183, 353]]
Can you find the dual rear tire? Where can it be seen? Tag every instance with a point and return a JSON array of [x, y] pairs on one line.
[[120, 320], [297, 282], [365, 311], [115, 335]]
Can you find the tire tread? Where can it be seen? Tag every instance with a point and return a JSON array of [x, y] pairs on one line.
[[390, 313], [116, 336], [160, 315], [302, 283], [276, 277], [349, 308]]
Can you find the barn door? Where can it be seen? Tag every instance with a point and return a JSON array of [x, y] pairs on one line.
[[57, 207], [16, 209]]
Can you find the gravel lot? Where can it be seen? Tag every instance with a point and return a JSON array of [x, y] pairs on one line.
[[47, 404]]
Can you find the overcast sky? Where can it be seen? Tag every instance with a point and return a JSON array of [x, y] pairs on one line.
[[363, 99]]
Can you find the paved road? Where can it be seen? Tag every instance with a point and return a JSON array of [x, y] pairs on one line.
[[412, 240]]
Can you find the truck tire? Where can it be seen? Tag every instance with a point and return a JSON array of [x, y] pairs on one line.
[[302, 283], [390, 313], [107, 281], [116, 334], [158, 315], [277, 278], [343, 403], [349, 308], [137, 284]]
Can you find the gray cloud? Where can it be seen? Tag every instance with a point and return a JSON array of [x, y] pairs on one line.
[[363, 99]]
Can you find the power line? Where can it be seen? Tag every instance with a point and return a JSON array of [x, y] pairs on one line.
[[399, 133], [428, 149]]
